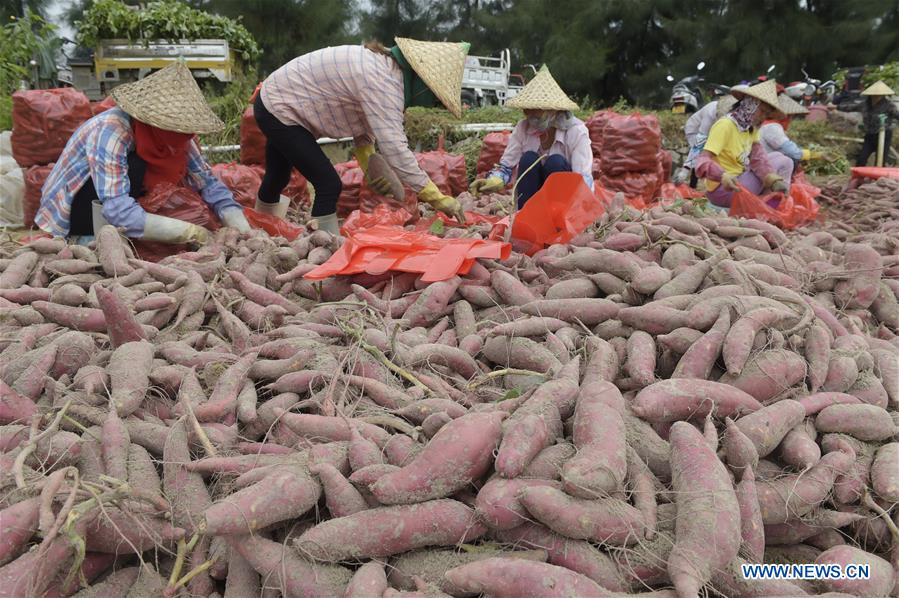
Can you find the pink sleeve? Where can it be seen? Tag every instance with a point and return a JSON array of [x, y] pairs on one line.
[[708, 168], [758, 161]]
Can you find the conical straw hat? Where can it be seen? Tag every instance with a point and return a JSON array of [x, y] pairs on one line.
[[169, 99], [879, 89], [789, 106], [440, 65], [766, 92], [542, 93]]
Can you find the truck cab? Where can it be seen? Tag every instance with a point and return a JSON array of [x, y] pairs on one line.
[[487, 80]]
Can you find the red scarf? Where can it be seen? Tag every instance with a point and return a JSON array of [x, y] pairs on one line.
[[165, 153]]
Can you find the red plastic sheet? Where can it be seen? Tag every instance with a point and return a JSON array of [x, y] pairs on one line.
[[562, 209], [492, 148], [273, 225], [630, 144], [874, 172], [35, 177], [42, 122], [785, 211], [375, 244], [242, 180], [252, 140]]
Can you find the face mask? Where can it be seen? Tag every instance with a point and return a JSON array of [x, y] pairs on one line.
[[540, 123]]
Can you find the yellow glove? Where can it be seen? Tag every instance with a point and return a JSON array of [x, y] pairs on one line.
[[813, 155], [774, 182], [729, 181], [171, 230], [806, 155], [491, 184], [363, 153], [450, 206]]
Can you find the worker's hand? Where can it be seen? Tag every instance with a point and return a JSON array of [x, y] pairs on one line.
[[729, 181], [450, 206], [363, 153], [774, 182], [234, 218], [808, 154], [491, 184]]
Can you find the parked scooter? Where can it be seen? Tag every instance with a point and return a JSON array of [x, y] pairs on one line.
[[686, 95], [811, 90]]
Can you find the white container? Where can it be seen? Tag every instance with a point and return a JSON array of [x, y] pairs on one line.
[[97, 212]]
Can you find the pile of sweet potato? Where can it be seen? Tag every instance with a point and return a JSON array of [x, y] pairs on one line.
[[642, 411], [864, 209]]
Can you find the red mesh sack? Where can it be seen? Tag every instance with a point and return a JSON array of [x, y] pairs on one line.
[[665, 162], [595, 125], [35, 177], [492, 148], [296, 189], [43, 120], [173, 201], [351, 177], [597, 168], [252, 140], [630, 144], [639, 188], [446, 170], [103, 106], [243, 181]]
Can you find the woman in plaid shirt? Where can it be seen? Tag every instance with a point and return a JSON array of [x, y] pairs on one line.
[[360, 92], [115, 156]]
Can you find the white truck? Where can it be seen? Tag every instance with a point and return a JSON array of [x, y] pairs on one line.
[[488, 81]]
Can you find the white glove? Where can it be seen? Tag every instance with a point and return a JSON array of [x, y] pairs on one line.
[[171, 230], [234, 218]]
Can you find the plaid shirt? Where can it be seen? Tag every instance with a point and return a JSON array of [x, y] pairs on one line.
[[99, 149], [347, 91]]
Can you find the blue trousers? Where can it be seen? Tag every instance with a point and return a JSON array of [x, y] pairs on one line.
[[533, 180]]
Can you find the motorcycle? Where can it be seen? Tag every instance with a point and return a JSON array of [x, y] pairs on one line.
[[811, 90], [686, 95]]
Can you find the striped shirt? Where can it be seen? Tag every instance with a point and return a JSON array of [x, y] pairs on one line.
[[99, 149], [347, 91]]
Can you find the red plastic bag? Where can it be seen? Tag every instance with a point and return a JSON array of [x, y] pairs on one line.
[[380, 215], [274, 226], [630, 144], [369, 201], [43, 120], [35, 177], [178, 202], [351, 177], [492, 148], [562, 209], [103, 106], [446, 170], [376, 244], [252, 140], [243, 181]]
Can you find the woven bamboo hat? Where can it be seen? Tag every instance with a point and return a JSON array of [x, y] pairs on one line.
[[789, 106], [765, 92], [542, 93], [169, 99], [879, 89], [440, 65]]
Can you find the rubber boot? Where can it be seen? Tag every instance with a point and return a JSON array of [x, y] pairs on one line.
[[329, 224], [275, 209]]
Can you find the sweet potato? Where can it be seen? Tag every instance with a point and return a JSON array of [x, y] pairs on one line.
[[429, 306], [510, 289], [282, 569], [577, 555], [120, 322], [752, 531], [603, 360], [767, 427], [885, 472], [738, 342], [882, 576], [511, 578], [385, 531], [797, 531], [794, 495], [708, 513], [458, 454], [641, 358], [368, 580], [740, 452], [129, 370], [798, 448], [654, 319], [520, 353], [814, 403], [531, 326], [14, 408], [861, 289], [865, 422], [573, 288], [18, 523], [589, 312], [340, 496], [526, 436], [184, 489], [700, 357], [610, 520], [674, 400], [322, 427], [548, 463], [455, 359], [688, 280], [497, 504], [115, 445], [599, 467], [362, 452]]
